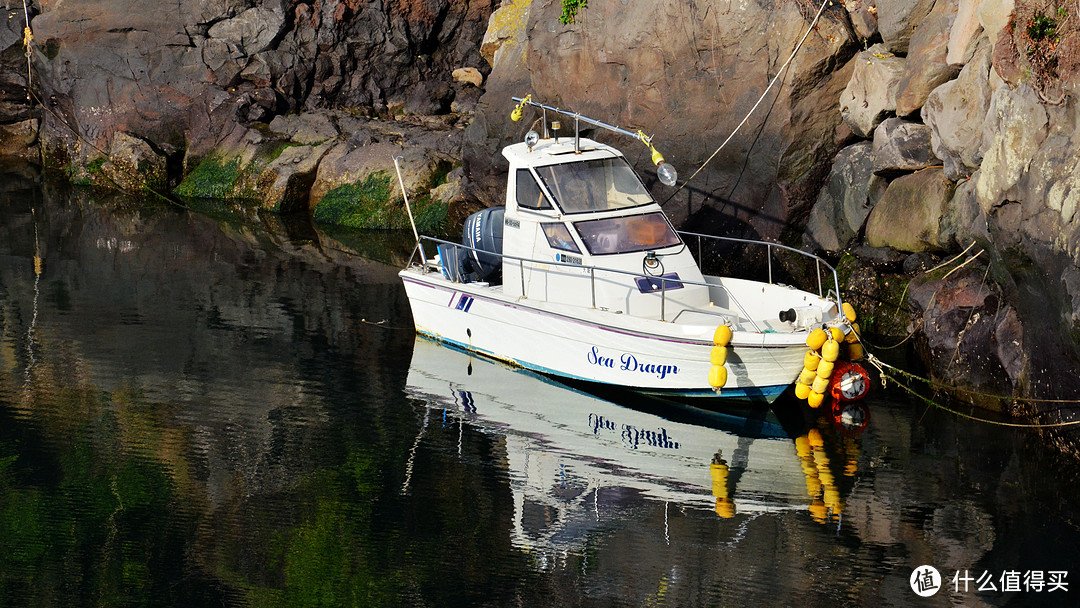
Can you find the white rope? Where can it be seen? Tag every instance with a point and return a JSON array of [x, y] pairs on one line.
[[813, 23]]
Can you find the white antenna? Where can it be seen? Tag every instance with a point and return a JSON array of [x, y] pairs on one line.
[[408, 209]]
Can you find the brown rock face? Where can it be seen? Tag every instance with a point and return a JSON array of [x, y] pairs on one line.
[[180, 74], [688, 75]]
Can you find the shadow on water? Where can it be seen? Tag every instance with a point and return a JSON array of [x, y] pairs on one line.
[[202, 410]]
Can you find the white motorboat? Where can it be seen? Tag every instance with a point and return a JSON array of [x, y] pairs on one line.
[[581, 275]]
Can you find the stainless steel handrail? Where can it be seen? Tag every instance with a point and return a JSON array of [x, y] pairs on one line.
[[521, 264], [818, 261]]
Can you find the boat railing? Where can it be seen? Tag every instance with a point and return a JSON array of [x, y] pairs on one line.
[[769, 247], [429, 264]]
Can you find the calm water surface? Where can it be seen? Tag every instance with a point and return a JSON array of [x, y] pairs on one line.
[[202, 410]]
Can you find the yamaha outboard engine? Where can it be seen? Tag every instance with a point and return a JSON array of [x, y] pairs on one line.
[[484, 231]]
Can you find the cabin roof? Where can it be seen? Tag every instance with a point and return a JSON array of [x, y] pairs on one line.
[[547, 152]]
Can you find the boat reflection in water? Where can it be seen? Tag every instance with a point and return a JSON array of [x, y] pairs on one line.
[[572, 455]]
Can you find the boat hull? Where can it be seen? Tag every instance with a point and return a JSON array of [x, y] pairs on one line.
[[591, 345]]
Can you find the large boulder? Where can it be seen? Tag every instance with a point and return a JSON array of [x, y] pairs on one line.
[[973, 339], [963, 222], [870, 95], [1013, 132], [252, 31], [902, 146], [955, 113], [19, 139], [898, 19], [309, 128], [285, 183], [927, 65], [134, 166], [846, 199], [908, 216], [964, 32], [863, 14], [994, 16]]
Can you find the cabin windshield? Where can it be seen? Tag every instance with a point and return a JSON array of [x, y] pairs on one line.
[[594, 185], [627, 234]]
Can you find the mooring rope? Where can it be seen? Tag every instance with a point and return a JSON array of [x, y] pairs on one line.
[[881, 367], [746, 118], [932, 297]]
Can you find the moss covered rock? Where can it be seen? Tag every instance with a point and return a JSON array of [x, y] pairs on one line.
[[376, 203]]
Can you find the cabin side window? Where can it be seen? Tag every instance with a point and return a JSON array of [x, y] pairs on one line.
[[558, 236], [529, 194]]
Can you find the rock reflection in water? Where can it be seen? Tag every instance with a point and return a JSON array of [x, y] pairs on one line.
[[206, 409]]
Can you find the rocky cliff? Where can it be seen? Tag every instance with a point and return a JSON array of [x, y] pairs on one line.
[[902, 134]]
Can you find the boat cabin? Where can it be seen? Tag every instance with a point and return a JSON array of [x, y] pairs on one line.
[[572, 205]]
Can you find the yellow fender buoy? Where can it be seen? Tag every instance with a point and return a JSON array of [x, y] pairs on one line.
[[853, 335], [811, 360], [802, 391], [849, 312], [717, 376], [825, 370], [830, 350], [718, 355], [855, 351], [722, 335], [807, 376], [815, 399], [817, 338], [820, 385], [836, 334]]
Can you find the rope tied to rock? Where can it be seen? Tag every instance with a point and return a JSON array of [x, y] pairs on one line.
[[933, 296], [28, 42], [884, 369]]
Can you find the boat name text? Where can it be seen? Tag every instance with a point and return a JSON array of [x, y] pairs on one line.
[[630, 363], [632, 435]]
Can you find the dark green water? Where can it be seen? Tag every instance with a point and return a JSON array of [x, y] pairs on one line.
[[202, 410]]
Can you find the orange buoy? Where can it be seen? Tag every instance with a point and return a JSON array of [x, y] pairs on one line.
[[850, 382]]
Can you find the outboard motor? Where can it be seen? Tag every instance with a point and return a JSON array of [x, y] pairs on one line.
[[484, 231]]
